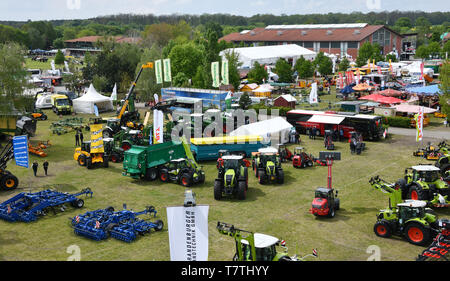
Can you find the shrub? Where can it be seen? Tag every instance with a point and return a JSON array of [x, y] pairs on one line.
[[401, 122]]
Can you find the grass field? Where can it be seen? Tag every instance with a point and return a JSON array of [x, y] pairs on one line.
[[278, 210]]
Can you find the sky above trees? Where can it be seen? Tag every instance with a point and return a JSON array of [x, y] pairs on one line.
[[22, 10]]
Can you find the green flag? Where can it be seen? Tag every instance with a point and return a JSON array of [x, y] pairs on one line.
[[167, 71], [215, 74], [158, 72], [225, 75]]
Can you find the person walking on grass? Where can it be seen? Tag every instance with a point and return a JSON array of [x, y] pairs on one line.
[[77, 138], [45, 165], [81, 136], [35, 168]]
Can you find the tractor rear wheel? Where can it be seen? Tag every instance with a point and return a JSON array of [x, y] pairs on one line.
[[261, 177], [382, 229], [280, 177], [241, 190], [164, 176], [416, 192], [105, 162], [186, 180], [417, 234], [9, 182], [217, 190]]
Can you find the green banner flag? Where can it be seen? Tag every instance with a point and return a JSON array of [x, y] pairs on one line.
[[167, 71], [215, 74], [225, 74], [158, 72]]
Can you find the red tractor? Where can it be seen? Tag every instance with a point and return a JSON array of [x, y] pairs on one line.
[[285, 153], [301, 159], [326, 202]]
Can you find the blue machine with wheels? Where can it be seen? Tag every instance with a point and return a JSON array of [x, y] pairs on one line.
[[122, 225], [28, 207]]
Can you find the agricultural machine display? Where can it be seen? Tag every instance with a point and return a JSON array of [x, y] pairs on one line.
[[144, 162], [432, 152], [424, 182], [8, 181], [28, 207], [356, 143], [257, 246], [232, 178], [325, 201], [301, 159], [86, 158], [285, 153], [67, 125], [224, 152], [440, 247], [38, 114], [266, 164], [39, 148], [122, 225], [328, 140], [182, 171], [409, 219]]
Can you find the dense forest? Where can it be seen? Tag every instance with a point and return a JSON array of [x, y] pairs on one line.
[[47, 34]]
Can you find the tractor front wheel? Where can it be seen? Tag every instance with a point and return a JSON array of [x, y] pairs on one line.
[[417, 234], [261, 177], [241, 192], [382, 229], [280, 177], [217, 190], [186, 180], [82, 160], [9, 182], [164, 176]]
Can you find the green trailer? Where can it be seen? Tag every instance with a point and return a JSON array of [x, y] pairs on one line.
[[15, 124], [144, 162]]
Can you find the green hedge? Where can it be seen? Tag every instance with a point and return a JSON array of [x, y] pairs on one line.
[[402, 122], [281, 109]]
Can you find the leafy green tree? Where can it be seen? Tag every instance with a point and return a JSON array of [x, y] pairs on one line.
[[323, 64], [59, 58], [344, 64], [434, 48], [446, 49], [368, 51], [13, 78], [233, 66], [257, 74], [245, 101], [423, 52], [186, 58], [146, 86], [284, 71], [444, 99], [404, 22], [391, 57], [199, 79], [304, 68], [181, 80]]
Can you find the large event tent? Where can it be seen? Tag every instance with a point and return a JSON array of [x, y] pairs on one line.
[[382, 99], [86, 103], [431, 90], [266, 129], [270, 54]]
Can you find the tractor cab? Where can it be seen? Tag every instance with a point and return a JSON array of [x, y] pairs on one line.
[[411, 209], [425, 173], [324, 202], [265, 248], [177, 164], [233, 162], [268, 154], [86, 146]]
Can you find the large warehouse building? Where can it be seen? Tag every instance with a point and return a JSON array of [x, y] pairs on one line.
[[339, 39]]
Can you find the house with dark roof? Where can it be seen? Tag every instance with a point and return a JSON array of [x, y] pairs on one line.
[[80, 46], [338, 39]]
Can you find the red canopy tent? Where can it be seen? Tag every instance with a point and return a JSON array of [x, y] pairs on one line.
[[390, 93], [381, 99]]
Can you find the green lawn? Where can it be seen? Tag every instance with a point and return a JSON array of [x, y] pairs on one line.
[[278, 210], [30, 64]]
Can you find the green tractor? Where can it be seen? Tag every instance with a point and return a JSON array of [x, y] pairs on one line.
[[410, 219], [232, 177], [266, 164], [183, 171], [424, 182], [256, 246]]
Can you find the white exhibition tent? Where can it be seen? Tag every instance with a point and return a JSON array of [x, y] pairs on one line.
[[266, 129], [86, 103], [270, 54]]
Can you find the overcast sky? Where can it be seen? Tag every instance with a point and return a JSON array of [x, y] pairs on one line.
[[22, 10]]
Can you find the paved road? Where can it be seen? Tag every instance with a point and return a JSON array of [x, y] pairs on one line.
[[435, 133]]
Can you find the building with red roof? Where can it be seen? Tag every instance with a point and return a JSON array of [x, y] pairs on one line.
[[339, 39]]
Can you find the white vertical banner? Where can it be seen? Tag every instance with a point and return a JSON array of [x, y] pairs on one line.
[[225, 73], [158, 123], [158, 72], [215, 74], [419, 124], [167, 71], [313, 94], [188, 233]]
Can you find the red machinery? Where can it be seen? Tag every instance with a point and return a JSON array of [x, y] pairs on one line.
[[326, 202], [301, 159]]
